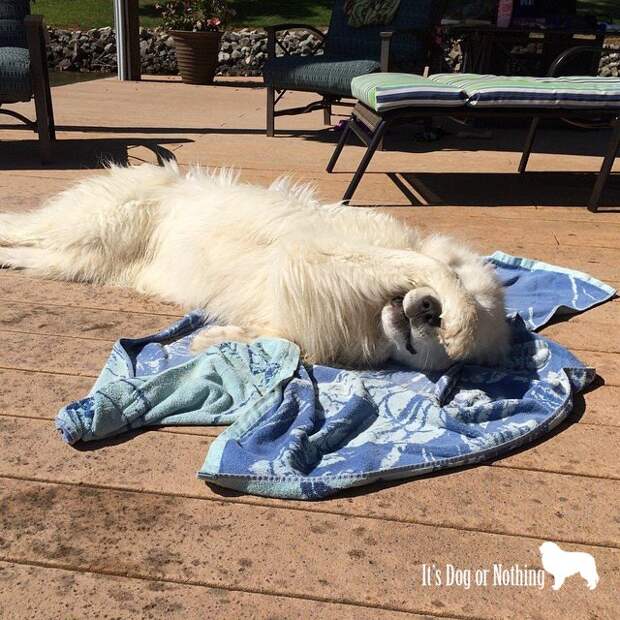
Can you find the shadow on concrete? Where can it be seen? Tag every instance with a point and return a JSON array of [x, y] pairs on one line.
[[490, 189], [89, 153], [552, 138], [558, 140]]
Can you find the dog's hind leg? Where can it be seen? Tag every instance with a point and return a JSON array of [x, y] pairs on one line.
[[591, 577], [43, 262]]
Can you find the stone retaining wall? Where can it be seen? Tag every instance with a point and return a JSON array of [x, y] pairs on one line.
[[242, 53]]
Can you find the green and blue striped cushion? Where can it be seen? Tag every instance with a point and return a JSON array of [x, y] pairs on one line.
[[387, 91], [525, 92]]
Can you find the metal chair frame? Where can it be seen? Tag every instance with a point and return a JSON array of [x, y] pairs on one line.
[[43, 125], [370, 127]]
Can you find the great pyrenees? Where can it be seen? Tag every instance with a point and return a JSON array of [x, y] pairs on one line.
[[352, 287], [562, 564]]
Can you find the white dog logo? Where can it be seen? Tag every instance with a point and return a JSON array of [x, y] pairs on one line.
[[562, 564]]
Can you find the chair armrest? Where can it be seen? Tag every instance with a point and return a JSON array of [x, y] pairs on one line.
[[34, 23], [273, 30], [569, 53], [36, 37]]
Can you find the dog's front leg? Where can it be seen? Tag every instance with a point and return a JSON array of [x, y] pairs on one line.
[[558, 582], [217, 334]]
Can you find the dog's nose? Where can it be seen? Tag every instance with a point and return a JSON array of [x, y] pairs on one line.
[[422, 309]]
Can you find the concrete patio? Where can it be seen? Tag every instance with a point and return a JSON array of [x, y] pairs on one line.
[[125, 530]]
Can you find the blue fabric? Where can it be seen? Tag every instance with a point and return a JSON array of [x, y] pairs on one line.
[[306, 432]]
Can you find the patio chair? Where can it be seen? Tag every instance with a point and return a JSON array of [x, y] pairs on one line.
[[347, 52], [387, 99], [23, 69]]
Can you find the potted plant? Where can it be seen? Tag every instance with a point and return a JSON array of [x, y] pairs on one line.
[[196, 27]]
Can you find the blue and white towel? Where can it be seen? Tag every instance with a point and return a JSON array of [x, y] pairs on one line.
[[306, 432]]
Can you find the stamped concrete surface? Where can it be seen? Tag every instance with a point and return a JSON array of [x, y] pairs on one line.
[[123, 529]]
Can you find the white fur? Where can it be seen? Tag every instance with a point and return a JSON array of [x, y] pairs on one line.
[[562, 564], [268, 261]]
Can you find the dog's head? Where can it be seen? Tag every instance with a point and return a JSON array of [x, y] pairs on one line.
[[428, 330], [548, 548]]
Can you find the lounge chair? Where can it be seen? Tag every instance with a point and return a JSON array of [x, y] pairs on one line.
[[387, 99], [23, 69], [404, 44]]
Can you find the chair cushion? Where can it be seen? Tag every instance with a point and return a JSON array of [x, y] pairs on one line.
[[15, 82], [321, 74], [532, 92], [388, 91], [408, 51]]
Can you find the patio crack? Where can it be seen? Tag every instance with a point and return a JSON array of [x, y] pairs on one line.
[[219, 586], [271, 505]]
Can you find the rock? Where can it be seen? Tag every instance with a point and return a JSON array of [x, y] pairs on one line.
[[242, 52]]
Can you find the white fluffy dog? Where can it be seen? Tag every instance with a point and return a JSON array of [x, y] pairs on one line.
[[351, 287], [562, 564]]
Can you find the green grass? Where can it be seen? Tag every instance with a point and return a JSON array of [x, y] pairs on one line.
[[84, 14], [602, 8]]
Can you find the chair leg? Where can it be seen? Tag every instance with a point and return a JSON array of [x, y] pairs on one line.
[[370, 151], [45, 119], [327, 112], [608, 162], [341, 143], [529, 142], [270, 111], [42, 96], [50, 111]]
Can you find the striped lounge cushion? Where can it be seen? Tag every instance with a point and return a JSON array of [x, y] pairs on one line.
[[387, 91], [531, 92]]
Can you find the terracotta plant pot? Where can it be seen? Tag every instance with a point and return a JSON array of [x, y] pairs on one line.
[[197, 55]]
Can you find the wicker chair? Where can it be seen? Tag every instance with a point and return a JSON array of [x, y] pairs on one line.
[[23, 69], [404, 44]]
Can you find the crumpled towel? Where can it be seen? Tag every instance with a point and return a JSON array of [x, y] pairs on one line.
[[305, 432]]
